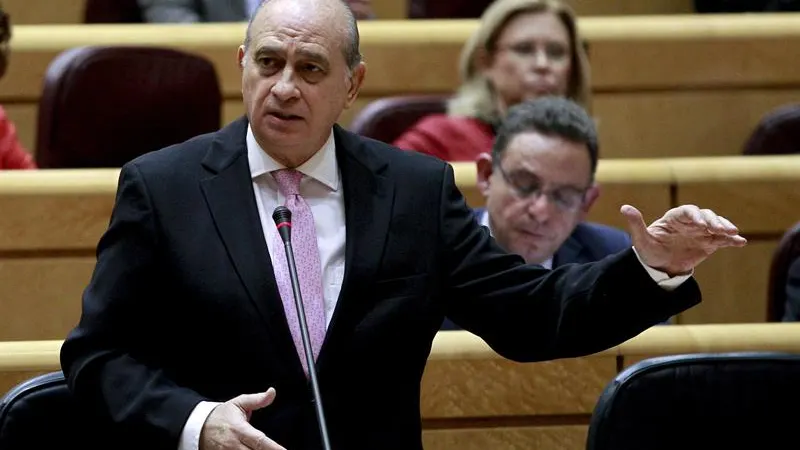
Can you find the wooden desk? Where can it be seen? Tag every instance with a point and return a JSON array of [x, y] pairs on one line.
[[664, 86], [472, 398]]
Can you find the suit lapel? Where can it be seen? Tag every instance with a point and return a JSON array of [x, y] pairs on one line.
[[231, 200], [368, 199]]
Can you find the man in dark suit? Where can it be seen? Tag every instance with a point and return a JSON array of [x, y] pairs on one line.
[[539, 184], [188, 332]]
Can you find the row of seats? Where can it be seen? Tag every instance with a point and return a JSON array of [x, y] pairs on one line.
[[170, 96], [697, 401]]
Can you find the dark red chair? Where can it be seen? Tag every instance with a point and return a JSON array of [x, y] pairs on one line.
[[103, 106], [387, 118], [787, 252], [778, 133], [112, 11]]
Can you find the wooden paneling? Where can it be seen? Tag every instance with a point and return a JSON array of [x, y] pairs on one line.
[[644, 124], [41, 297], [507, 388], [558, 437], [734, 285], [44, 11]]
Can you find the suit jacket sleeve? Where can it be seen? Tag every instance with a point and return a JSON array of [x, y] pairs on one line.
[[170, 11], [527, 313], [108, 358], [792, 313]]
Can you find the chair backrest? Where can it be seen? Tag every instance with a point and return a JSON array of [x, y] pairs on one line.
[[785, 254], [777, 133], [112, 11], [387, 118], [102, 106], [699, 402], [40, 413]]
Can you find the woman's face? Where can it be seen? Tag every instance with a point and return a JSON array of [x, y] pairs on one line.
[[532, 58]]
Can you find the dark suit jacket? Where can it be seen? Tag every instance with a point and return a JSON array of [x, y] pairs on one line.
[[792, 309], [589, 242], [183, 306]]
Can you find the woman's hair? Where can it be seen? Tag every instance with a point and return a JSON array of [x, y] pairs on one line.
[[476, 96]]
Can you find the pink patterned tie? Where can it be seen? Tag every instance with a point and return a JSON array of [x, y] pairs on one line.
[[309, 270]]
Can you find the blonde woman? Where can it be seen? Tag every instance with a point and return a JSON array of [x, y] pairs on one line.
[[523, 49]]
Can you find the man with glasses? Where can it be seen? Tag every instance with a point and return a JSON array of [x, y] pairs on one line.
[[539, 186]]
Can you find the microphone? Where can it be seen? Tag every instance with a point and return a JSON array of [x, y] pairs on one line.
[[283, 221]]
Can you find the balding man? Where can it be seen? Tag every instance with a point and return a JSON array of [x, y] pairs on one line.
[[189, 329]]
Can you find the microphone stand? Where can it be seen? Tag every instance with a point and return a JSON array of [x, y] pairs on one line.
[[283, 221]]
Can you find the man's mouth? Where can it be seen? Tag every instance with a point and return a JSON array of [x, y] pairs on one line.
[[285, 116]]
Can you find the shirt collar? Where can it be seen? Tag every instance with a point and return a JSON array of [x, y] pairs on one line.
[[322, 167], [547, 264]]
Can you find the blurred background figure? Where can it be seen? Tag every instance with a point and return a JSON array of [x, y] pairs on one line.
[[190, 11], [523, 49], [12, 155]]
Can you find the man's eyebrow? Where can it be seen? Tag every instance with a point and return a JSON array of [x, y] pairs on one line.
[[305, 53]]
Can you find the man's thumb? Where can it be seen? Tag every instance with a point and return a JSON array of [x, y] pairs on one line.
[[252, 402], [636, 224]]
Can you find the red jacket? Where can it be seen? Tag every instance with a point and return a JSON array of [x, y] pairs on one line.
[[448, 138], [12, 155]]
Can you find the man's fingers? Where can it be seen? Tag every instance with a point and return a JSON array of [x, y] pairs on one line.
[[636, 224], [724, 240], [256, 440], [252, 402]]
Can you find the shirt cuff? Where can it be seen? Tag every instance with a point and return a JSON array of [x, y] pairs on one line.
[[190, 436], [662, 278]]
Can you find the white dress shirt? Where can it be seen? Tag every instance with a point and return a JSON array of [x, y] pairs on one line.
[[321, 188]]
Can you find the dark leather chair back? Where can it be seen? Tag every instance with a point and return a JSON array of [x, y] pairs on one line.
[[103, 106], [41, 414], [387, 118], [786, 253], [112, 11], [699, 402], [778, 133]]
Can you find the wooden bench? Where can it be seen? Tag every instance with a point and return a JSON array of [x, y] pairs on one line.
[[664, 86], [474, 399]]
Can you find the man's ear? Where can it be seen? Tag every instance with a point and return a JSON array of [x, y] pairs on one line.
[[485, 168], [356, 80], [592, 194], [240, 54]]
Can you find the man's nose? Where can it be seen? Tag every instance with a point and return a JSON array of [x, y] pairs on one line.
[[286, 87], [540, 206]]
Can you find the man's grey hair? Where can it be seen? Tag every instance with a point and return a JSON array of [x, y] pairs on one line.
[[551, 116], [350, 49]]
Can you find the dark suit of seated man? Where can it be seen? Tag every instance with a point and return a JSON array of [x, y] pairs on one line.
[[792, 311], [539, 187]]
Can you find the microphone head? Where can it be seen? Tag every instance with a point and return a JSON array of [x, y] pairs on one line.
[[281, 215], [283, 220]]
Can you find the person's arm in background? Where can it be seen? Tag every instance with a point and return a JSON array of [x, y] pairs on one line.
[[12, 155], [792, 310], [169, 11]]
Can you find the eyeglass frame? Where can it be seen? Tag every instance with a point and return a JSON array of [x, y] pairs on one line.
[[520, 192]]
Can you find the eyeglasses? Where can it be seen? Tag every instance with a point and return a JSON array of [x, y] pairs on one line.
[[553, 51], [526, 185]]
